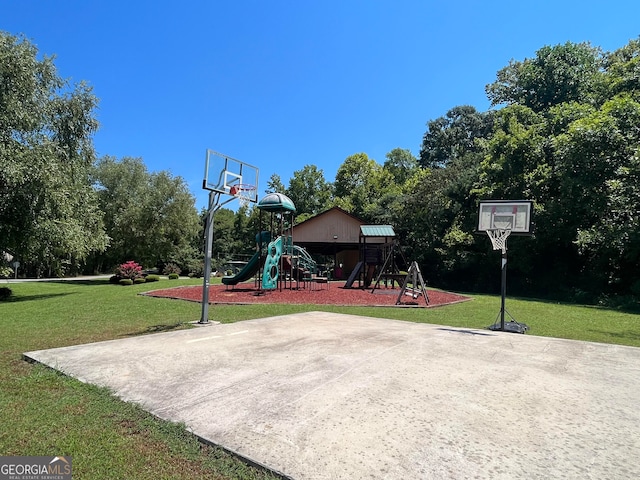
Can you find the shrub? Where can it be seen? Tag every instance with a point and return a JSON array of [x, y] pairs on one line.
[[173, 276], [170, 268], [129, 270], [138, 280], [5, 272], [152, 278], [115, 279], [125, 281], [197, 270], [5, 292]]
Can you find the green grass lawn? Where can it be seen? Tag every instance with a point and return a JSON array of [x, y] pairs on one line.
[[45, 413]]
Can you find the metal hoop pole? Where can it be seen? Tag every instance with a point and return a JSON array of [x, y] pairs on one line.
[[208, 252]]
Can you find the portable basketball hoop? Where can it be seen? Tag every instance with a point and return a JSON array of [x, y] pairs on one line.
[[499, 219]]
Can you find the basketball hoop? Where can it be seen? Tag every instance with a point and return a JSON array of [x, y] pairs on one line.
[[498, 238], [244, 192]]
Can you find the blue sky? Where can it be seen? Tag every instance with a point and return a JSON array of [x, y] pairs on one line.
[[283, 84]]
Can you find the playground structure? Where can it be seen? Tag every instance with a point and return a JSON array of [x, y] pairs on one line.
[[277, 262], [379, 260]]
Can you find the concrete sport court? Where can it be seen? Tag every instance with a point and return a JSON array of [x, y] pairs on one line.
[[330, 396]]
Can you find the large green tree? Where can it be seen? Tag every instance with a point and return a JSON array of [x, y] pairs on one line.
[[49, 218], [360, 182], [309, 191], [149, 217], [457, 134], [275, 185], [598, 159], [623, 70], [401, 164], [438, 203], [226, 241], [557, 74]]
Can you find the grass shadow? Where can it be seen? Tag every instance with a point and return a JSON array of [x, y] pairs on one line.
[[626, 336], [28, 298], [98, 281], [631, 309]]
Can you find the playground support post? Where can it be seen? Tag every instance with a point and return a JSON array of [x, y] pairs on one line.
[[208, 251]]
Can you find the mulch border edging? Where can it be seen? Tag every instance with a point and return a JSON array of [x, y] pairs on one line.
[[150, 293]]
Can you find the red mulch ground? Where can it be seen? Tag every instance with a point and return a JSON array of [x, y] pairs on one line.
[[336, 294]]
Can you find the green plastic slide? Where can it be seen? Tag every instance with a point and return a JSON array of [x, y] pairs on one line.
[[249, 270]]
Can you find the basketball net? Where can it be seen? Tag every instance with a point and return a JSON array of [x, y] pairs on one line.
[[243, 192], [498, 238]]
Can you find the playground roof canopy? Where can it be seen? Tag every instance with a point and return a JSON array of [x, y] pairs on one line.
[[377, 231], [276, 202]]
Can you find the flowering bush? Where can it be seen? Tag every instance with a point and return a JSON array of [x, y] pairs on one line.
[[129, 270], [5, 272]]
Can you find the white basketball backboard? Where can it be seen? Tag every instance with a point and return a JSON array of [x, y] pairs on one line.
[[224, 174], [513, 215]]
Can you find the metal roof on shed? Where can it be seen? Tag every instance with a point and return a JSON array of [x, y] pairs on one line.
[[377, 231]]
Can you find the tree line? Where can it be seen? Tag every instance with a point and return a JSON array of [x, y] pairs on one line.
[[563, 131]]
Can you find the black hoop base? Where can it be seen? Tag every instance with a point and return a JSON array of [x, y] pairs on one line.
[[511, 326]]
